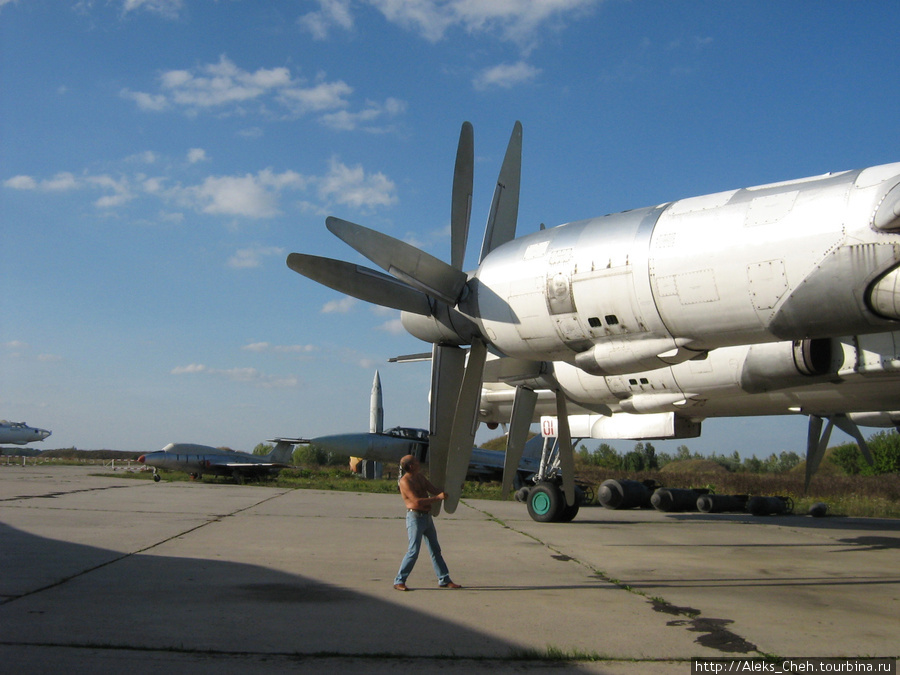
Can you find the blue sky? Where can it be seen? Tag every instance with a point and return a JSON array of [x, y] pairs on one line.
[[160, 158]]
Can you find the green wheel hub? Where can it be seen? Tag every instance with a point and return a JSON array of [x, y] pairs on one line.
[[541, 503]]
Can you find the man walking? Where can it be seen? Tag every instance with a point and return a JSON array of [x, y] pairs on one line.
[[415, 489]]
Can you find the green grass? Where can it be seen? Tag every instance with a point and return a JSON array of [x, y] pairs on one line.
[[860, 496]]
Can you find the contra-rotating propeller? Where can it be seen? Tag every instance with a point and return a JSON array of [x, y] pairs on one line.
[[421, 284]]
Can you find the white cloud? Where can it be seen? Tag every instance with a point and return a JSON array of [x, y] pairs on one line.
[[221, 83], [192, 368], [394, 327], [196, 155], [341, 306], [61, 181], [353, 187], [265, 347], [505, 75], [344, 120], [251, 196], [66, 181], [248, 258], [519, 21], [236, 196], [149, 102], [119, 187], [429, 18], [319, 97], [242, 375], [331, 13], [21, 183], [224, 86], [15, 344], [166, 8]]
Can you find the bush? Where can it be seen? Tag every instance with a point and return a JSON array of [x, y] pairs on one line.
[[885, 449]]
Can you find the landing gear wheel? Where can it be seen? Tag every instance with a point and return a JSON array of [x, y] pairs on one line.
[[156, 477], [545, 503]]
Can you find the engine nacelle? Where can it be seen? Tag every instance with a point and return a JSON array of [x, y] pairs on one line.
[[777, 365], [621, 357]]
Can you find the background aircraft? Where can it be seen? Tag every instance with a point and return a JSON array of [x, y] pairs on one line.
[[380, 445], [793, 262], [19, 433], [200, 459]]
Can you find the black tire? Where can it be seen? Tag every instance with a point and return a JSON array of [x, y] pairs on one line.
[[568, 512], [545, 503]]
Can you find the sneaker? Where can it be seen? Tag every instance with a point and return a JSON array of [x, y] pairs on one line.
[[400, 587]]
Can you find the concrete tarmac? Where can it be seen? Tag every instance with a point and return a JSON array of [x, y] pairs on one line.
[[111, 574]]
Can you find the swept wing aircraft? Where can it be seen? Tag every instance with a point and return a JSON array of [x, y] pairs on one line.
[[19, 433], [200, 459], [391, 445], [791, 262]]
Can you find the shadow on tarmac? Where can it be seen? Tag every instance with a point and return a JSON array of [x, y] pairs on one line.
[[55, 594]]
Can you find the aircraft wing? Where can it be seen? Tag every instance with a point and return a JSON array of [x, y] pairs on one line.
[[246, 465]]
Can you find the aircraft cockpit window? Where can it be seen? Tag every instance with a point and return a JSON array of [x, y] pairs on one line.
[[611, 319], [595, 322]]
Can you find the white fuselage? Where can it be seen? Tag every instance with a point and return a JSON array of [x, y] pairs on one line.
[[19, 433], [652, 287]]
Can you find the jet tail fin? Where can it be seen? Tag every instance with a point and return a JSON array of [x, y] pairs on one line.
[[283, 453]]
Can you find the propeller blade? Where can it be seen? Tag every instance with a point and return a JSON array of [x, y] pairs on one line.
[[360, 282], [419, 269], [519, 423], [501, 225], [461, 199], [465, 423], [566, 452], [447, 366]]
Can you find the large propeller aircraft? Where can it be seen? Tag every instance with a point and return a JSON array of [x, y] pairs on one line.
[[798, 262], [20, 433]]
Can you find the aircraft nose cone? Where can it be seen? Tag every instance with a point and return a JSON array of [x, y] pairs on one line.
[[141, 459]]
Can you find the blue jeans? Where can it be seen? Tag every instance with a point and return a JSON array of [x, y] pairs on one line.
[[420, 525]]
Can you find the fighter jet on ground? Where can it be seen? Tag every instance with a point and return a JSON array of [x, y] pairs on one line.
[[799, 263], [19, 433], [200, 459], [390, 445]]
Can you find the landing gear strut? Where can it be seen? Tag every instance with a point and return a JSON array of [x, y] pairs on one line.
[[546, 501]]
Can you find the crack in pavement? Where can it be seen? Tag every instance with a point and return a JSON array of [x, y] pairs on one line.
[[714, 633], [125, 556]]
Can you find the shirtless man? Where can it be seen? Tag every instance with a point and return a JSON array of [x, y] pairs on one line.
[[415, 489]]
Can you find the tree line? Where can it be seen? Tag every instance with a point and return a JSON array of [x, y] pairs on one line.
[[884, 446]]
